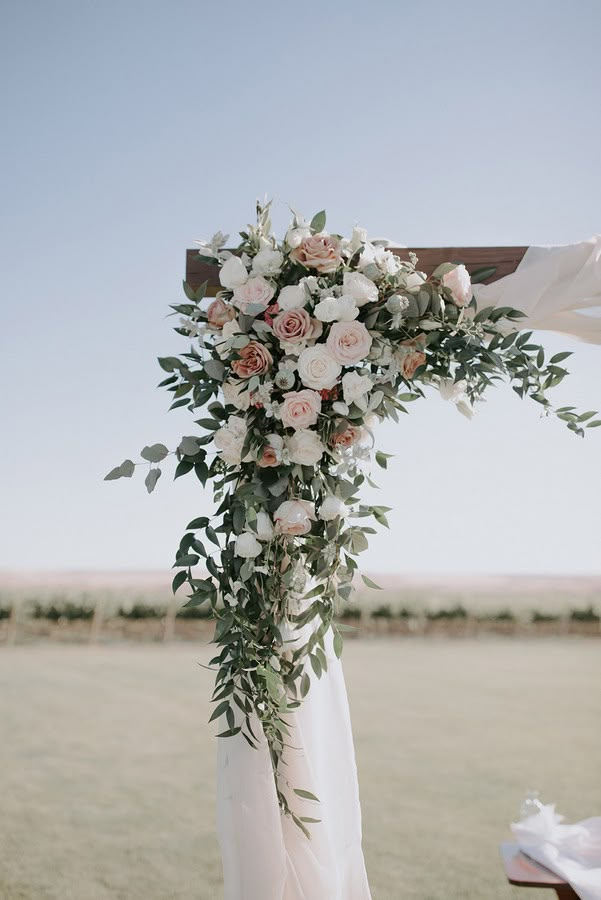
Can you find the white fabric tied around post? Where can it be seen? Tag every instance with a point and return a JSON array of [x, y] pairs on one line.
[[553, 285], [265, 855]]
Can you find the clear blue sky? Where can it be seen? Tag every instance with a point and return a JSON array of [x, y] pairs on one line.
[[131, 128]]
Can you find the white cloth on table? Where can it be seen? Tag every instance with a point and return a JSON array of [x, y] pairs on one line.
[[265, 855], [571, 851], [553, 285]]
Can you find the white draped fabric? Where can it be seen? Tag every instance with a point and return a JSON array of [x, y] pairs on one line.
[[553, 286], [265, 856], [571, 851]]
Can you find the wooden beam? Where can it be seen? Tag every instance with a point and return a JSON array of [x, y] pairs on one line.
[[504, 259]]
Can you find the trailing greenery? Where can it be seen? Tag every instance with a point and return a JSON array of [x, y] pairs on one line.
[[309, 344]]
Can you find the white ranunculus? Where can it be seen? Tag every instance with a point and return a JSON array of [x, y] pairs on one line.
[[229, 439], [233, 273], [264, 526], [361, 289], [294, 517], [336, 309], [268, 262], [305, 447], [354, 386], [293, 296], [234, 395], [331, 508], [247, 546], [317, 368]]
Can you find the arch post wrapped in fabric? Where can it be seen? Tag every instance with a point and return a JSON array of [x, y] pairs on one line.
[[306, 345]]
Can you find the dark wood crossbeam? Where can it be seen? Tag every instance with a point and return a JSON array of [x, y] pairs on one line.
[[504, 260]]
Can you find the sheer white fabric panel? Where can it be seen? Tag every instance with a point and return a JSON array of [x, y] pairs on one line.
[[553, 286], [265, 855]]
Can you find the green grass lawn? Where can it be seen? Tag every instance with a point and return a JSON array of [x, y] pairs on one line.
[[107, 765]]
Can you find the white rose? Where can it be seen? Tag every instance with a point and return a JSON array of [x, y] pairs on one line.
[[233, 394], [354, 386], [293, 296], [336, 309], [294, 517], [229, 439], [331, 508], [360, 288], [317, 368], [311, 283], [233, 273], [268, 262], [265, 530], [305, 447], [247, 546], [460, 284]]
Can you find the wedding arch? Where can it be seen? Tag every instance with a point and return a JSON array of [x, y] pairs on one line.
[[298, 347]]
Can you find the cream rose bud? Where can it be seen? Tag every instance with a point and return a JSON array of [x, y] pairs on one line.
[[358, 238], [317, 368], [293, 296], [267, 262], [300, 409], [305, 447], [460, 284], [265, 530], [414, 281], [294, 517], [466, 409], [452, 390], [331, 508], [360, 288], [348, 342], [354, 386], [247, 546], [297, 233], [235, 396], [336, 309], [255, 291], [229, 439], [233, 273]]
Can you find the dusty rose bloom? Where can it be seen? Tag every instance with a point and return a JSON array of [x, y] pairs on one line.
[[295, 325], [459, 283], [300, 409], [345, 439], [413, 357], [255, 359], [219, 313], [320, 252]]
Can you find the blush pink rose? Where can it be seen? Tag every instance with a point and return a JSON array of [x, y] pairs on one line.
[[320, 252], [294, 517], [413, 357], [296, 325], [255, 291], [300, 409], [349, 342], [271, 452], [460, 285], [255, 359], [219, 313]]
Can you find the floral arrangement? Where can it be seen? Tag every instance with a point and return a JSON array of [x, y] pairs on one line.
[[309, 343]]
